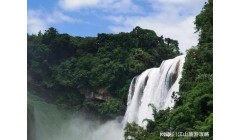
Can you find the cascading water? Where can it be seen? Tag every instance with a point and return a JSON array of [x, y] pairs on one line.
[[154, 86]]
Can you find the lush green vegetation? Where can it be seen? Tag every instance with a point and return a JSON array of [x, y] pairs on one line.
[[73, 68], [193, 111], [70, 69]]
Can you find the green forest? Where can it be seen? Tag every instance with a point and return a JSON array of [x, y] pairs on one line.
[[93, 74], [70, 68]]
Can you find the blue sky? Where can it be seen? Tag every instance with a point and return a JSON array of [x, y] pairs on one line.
[[170, 18]]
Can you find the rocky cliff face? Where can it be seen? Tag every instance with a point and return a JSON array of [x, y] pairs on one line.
[[100, 94]]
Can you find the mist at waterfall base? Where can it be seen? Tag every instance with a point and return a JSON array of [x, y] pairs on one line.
[[53, 123], [155, 86]]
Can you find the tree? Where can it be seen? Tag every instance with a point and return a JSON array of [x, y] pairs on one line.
[[134, 132]]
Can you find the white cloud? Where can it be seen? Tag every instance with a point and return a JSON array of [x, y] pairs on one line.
[[58, 17], [116, 19], [76, 4], [191, 6], [34, 22], [122, 6], [113, 6], [175, 21], [39, 20], [174, 1]]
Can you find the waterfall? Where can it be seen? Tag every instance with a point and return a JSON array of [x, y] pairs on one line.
[[155, 86]]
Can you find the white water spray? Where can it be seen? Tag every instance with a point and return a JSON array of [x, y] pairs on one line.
[[50, 122]]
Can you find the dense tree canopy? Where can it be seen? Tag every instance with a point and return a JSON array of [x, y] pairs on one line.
[[76, 66]]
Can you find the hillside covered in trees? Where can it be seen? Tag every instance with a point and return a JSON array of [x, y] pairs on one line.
[[93, 73], [193, 111]]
